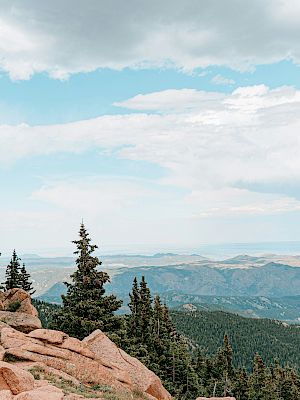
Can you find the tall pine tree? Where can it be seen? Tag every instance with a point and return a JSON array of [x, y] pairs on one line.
[[134, 321], [25, 282], [153, 340], [12, 273], [85, 306], [146, 311]]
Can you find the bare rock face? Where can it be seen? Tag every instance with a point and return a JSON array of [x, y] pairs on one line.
[[142, 378], [17, 298], [17, 311], [49, 336], [94, 361], [15, 379], [46, 392], [20, 321]]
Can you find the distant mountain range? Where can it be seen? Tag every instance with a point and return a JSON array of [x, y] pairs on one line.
[[265, 286], [271, 280]]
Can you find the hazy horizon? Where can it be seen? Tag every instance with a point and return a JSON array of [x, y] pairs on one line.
[[210, 250]]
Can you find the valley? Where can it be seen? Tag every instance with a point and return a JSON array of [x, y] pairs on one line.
[[265, 286]]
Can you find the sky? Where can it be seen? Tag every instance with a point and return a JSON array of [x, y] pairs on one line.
[[161, 124]]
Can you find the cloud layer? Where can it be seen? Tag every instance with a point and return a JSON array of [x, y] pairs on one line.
[[211, 149], [65, 37]]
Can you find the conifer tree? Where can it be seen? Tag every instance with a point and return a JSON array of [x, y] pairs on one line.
[[157, 344], [258, 387], [289, 389], [12, 273], [240, 389], [227, 352], [139, 322], [25, 282], [227, 368], [146, 311], [134, 321], [85, 306]]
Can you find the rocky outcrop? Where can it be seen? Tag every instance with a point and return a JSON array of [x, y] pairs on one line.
[[104, 349], [17, 300], [78, 362], [38, 347], [20, 321], [96, 363], [15, 383], [17, 311], [15, 379]]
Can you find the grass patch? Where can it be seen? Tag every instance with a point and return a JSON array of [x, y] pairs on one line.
[[101, 391], [68, 386], [14, 306], [136, 394], [11, 358]]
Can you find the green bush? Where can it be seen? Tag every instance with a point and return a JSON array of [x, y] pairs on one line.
[[14, 306]]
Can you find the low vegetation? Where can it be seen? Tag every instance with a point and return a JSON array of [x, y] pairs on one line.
[[97, 391], [14, 306], [68, 386]]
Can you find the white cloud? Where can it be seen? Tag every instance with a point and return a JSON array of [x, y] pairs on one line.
[[172, 100], [245, 138], [248, 136], [222, 80], [234, 202], [64, 37], [93, 197]]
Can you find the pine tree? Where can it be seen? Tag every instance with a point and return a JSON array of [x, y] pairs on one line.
[[155, 342], [139, 323], [240, 387], [227, 368], [25, 283], [85, 306], [227, 352], [146, 311], [133, 324], [259, 382], [12, 273], [290, 385]]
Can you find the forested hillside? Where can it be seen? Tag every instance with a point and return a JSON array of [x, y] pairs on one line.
[[271, 339]]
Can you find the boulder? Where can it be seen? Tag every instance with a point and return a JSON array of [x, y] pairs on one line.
[[42, 393], [17, 296], [15, 379], [11, 338], [49, 335], [20, 321], [142, 378], [94, 361], [60, 357], [77, 346]]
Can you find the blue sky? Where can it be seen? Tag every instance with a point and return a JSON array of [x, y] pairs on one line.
[[160, 126], [42, 100]]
